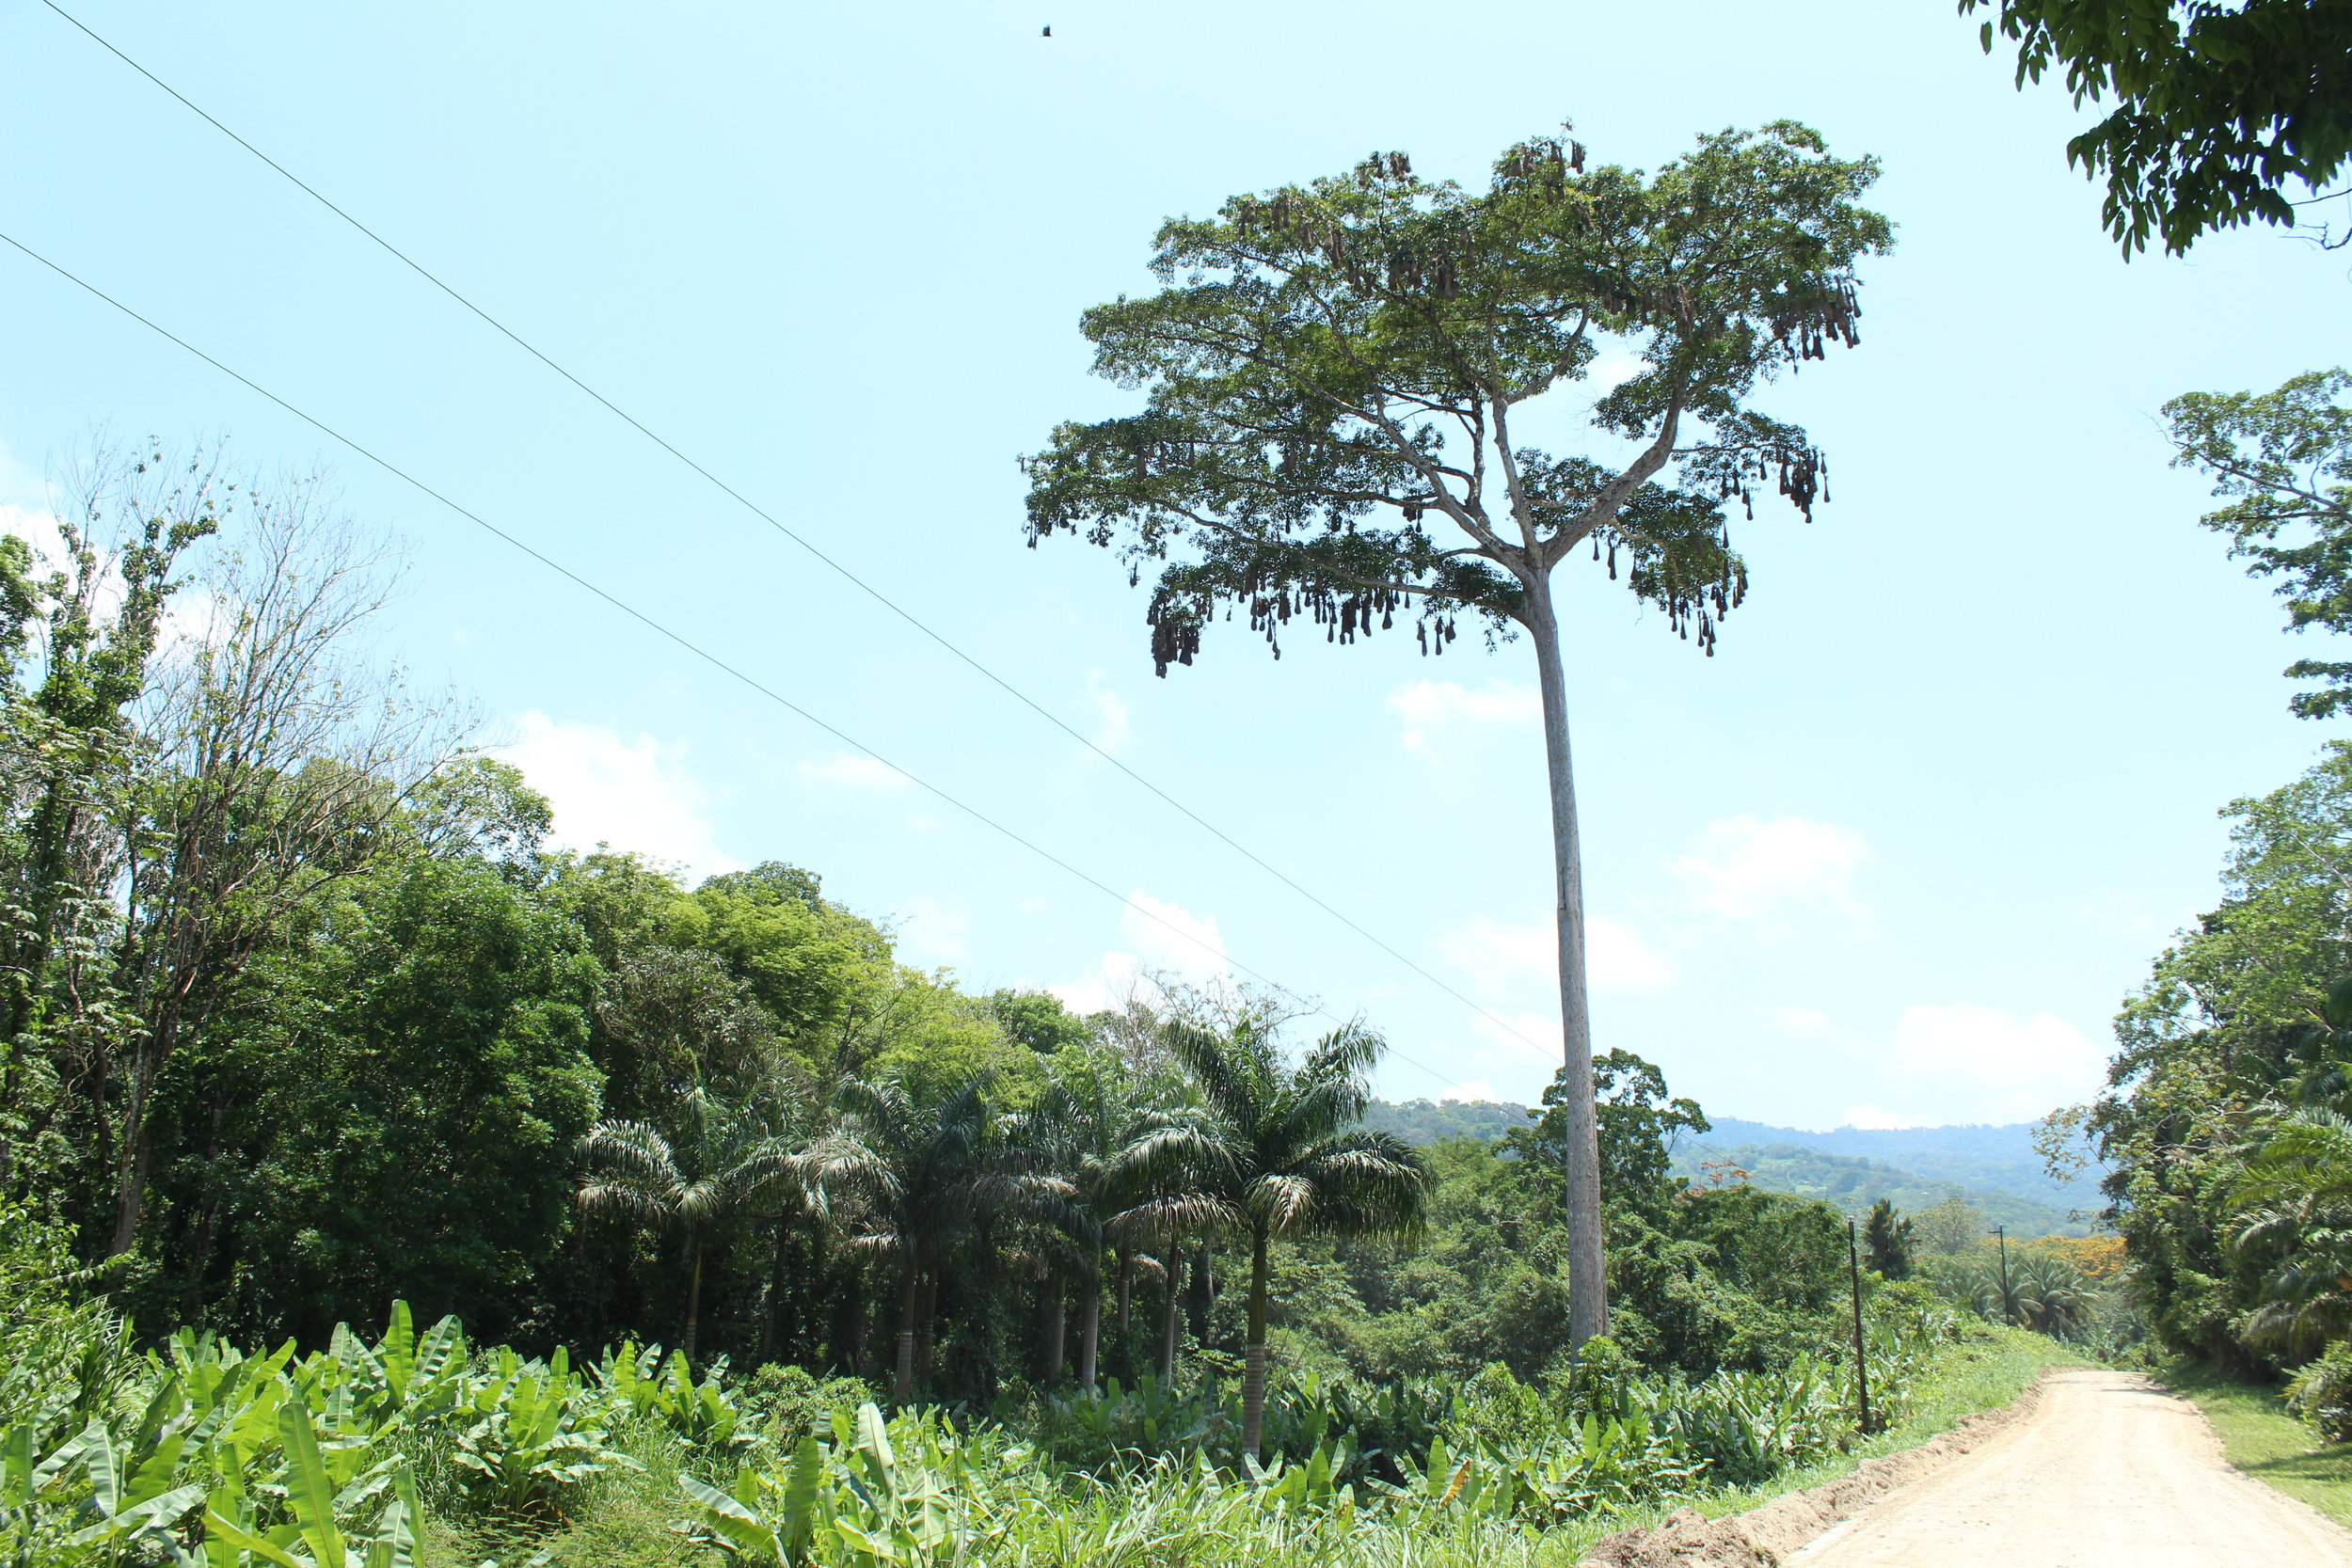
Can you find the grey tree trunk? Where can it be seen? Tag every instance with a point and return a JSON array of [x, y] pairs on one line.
[[1056, 1326], [1253, 1367], [1090, 1331], [1175, 1270], [1588, 1286], [909, 1301]]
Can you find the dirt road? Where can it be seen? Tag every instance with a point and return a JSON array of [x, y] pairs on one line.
[[2109, 1472]]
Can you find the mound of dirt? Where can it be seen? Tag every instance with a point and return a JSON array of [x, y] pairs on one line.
[[1763, 1536]]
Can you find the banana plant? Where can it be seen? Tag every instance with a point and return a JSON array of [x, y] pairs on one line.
[[702, 1414], [124, 1501], [767, 1519], [405, 1378], [527, 1443], [859, 1502], [1310, 1486], [903, 1512], [320, 1531]]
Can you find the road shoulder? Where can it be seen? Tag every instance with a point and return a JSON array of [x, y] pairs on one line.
[[2260, 1437]]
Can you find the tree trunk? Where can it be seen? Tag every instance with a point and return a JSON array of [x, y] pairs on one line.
[[909, 1301], [1588, 1285], [1174, 1265], [1091, 1329], [134, 1156], [1056, 1327], [1201, 1297], [776, 1282], [693, 1296], [208, 1223], [1253, 1352], [926, 1331], [1122, 1348]]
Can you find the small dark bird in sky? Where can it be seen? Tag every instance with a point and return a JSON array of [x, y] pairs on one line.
[[1048, 33]]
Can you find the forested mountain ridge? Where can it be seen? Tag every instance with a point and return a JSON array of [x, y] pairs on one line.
[[1994, 1168], [1852, 1185], [1999, 1157]]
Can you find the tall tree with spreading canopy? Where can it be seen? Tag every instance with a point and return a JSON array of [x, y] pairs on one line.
[[1333, 372]]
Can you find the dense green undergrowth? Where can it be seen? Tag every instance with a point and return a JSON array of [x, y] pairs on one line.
[[418, 1448], [2264, 1439]]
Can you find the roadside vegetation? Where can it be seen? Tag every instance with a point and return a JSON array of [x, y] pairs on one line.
[[365, 1153], [2267, 1440]]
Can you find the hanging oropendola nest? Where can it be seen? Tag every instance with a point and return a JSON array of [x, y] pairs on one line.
[[1805, 328]]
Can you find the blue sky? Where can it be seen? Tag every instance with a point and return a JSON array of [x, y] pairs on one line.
[[1893, 856]]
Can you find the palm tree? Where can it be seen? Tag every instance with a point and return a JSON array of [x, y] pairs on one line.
[[1080, 1140], [2296, 1200], [722, 1161], [1274, 1149], [906, 1180]]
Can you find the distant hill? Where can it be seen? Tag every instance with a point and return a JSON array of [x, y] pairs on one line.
[[1424, 1121], [1992, 1168], [1851, 1185], [2001, 1158]]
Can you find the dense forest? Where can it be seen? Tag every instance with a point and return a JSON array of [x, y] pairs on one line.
[[308, 1017]]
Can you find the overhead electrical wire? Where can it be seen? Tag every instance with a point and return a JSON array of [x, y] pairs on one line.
[[700, 652], [761, 513]]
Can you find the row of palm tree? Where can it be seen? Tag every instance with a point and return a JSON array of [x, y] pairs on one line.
[[1105, 1179]]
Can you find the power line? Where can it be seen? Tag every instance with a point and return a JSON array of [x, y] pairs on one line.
[[759, 511], [696, 649]]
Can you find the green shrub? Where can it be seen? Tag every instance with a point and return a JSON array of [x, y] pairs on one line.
[[2321, 1392]]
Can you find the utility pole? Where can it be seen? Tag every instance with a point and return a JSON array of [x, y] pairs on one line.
[[2008, 1312], [1860, 1359]]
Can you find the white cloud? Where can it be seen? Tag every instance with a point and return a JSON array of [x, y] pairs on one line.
[[1116, 729], [1618, 958], [1537, 1029], [932, 932], [1475, 1088], [1159, 936], [852, 770], [2124, 914], [634, 794], [1872, 1119], [1503, 960], [1761, 873], [1803, 1021], [36, 527], [2017, 1068], [1430, 707], [1169, 936]]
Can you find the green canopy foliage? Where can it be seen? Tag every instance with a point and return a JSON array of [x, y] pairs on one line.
[[2284, 461], [1332, 367], [2220, 111], [2243, 1030]]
